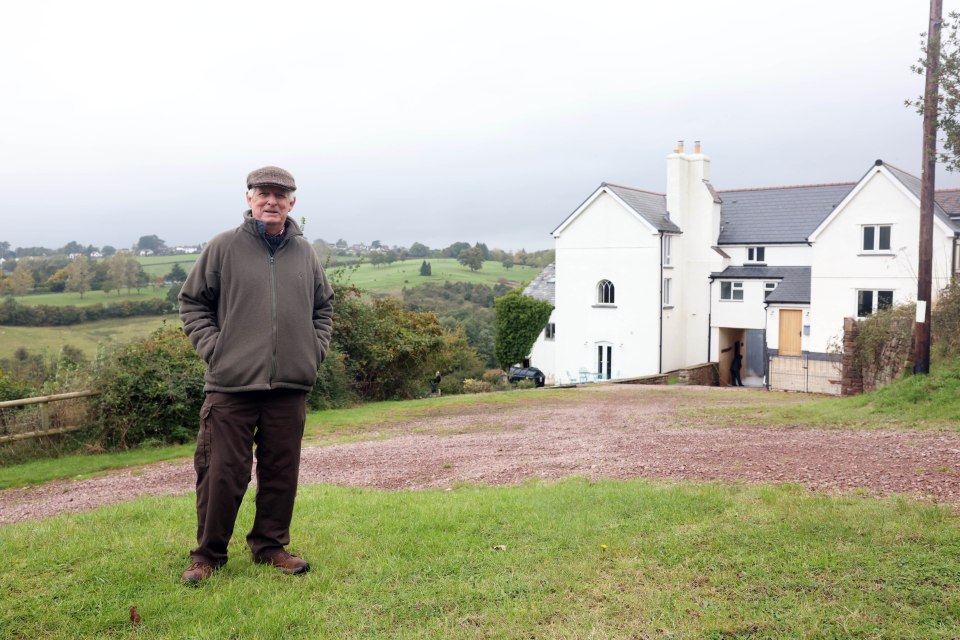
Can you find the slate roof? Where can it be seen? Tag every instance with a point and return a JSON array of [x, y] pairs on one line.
[[544, 287], [652, 207], [912, 183], [794, 287], [949, 201], [777, 215]]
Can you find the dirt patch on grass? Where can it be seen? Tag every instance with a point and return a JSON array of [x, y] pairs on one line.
[[605, 431]]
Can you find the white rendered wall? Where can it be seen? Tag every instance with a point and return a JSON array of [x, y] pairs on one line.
[[691, 207], [774, 255], [543, 355], [840, 268], [606, 241]]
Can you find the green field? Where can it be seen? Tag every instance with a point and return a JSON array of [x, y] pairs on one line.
[[393, 278], [160, 265], [86, 336], [92, 297]]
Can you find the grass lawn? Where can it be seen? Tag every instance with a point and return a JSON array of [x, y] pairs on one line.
[[913, 402], [92, 297], [86, 336], [574, 559], [394, 277]]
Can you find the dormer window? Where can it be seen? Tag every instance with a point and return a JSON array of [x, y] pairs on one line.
[[756, 254], [876, 238], [605, 292]]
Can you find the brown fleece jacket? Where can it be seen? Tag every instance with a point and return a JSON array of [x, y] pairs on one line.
[[259, 321]]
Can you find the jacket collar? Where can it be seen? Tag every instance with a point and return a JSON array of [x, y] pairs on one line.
[[291, 227]]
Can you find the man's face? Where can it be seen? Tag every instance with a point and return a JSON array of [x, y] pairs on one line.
[[271, 205]]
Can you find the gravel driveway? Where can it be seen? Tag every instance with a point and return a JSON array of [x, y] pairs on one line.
[[600, 431]]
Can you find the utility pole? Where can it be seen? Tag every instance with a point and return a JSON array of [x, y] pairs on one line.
[[921, 330]]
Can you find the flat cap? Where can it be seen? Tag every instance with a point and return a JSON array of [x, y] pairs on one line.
[[271, 177]]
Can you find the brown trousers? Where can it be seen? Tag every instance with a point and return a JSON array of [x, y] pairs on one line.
[[230, 425]]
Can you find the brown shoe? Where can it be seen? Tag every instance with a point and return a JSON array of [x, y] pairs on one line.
[[197, 572], [286, 562]]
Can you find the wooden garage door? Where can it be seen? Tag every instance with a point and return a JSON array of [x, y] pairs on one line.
[[791, 328]]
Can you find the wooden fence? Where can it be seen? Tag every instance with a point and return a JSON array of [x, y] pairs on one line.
[[43, 408]]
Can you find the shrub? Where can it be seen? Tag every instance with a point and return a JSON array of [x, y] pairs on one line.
[[476, 386], [520, 319], [945, 324], [332, 389], [150, 390]]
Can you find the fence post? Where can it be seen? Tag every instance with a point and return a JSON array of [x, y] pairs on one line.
[[44, 416]]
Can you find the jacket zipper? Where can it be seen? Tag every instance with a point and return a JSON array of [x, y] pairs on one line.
[[273, 315]]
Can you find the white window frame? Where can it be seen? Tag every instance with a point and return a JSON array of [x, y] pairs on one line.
[[736, 286], [768, 288], [875, 241], [668, 251], [756, 254], [606, 293], [874, 301], [667, 292]]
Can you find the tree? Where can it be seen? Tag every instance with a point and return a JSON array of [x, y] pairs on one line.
[[519, 321], [122, 270], [71, 247], [177, 274], [22, 277], [472, 258], [5, 249], [948, 100], [108, 250], [375, 244], [419, 250], [79, 275], [426, 269], [484, 251], [150, 243], [57, 282], [453, 251], [508, 262]]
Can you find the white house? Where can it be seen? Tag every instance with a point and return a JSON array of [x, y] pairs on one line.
[[647, 283]]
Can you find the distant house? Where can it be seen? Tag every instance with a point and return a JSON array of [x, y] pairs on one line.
[[186, 249], [96, 254], [146, 252], [648, 282]]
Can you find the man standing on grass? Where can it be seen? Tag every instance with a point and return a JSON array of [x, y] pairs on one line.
[[257, 307]]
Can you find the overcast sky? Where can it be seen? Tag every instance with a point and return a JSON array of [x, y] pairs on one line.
[[432, 121]]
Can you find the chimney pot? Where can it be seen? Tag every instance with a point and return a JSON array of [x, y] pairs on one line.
[[696, 146], [679, 148]]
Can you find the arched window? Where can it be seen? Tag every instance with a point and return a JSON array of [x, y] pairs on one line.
[[605, 292]]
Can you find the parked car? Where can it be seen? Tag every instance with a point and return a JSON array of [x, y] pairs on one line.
[[516, 374]]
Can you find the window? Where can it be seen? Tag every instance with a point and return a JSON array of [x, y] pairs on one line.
[[667, 250], [731, 291], [870, 301], [876, 237], [550, 332], [768, 288], [756, 254], [667, 285], [605, 292]]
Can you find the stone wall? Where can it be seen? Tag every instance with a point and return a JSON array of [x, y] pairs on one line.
[[706, 374], [851, 380], [884, 363]]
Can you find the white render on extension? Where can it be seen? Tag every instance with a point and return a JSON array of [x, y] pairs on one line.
[[647, 283]]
